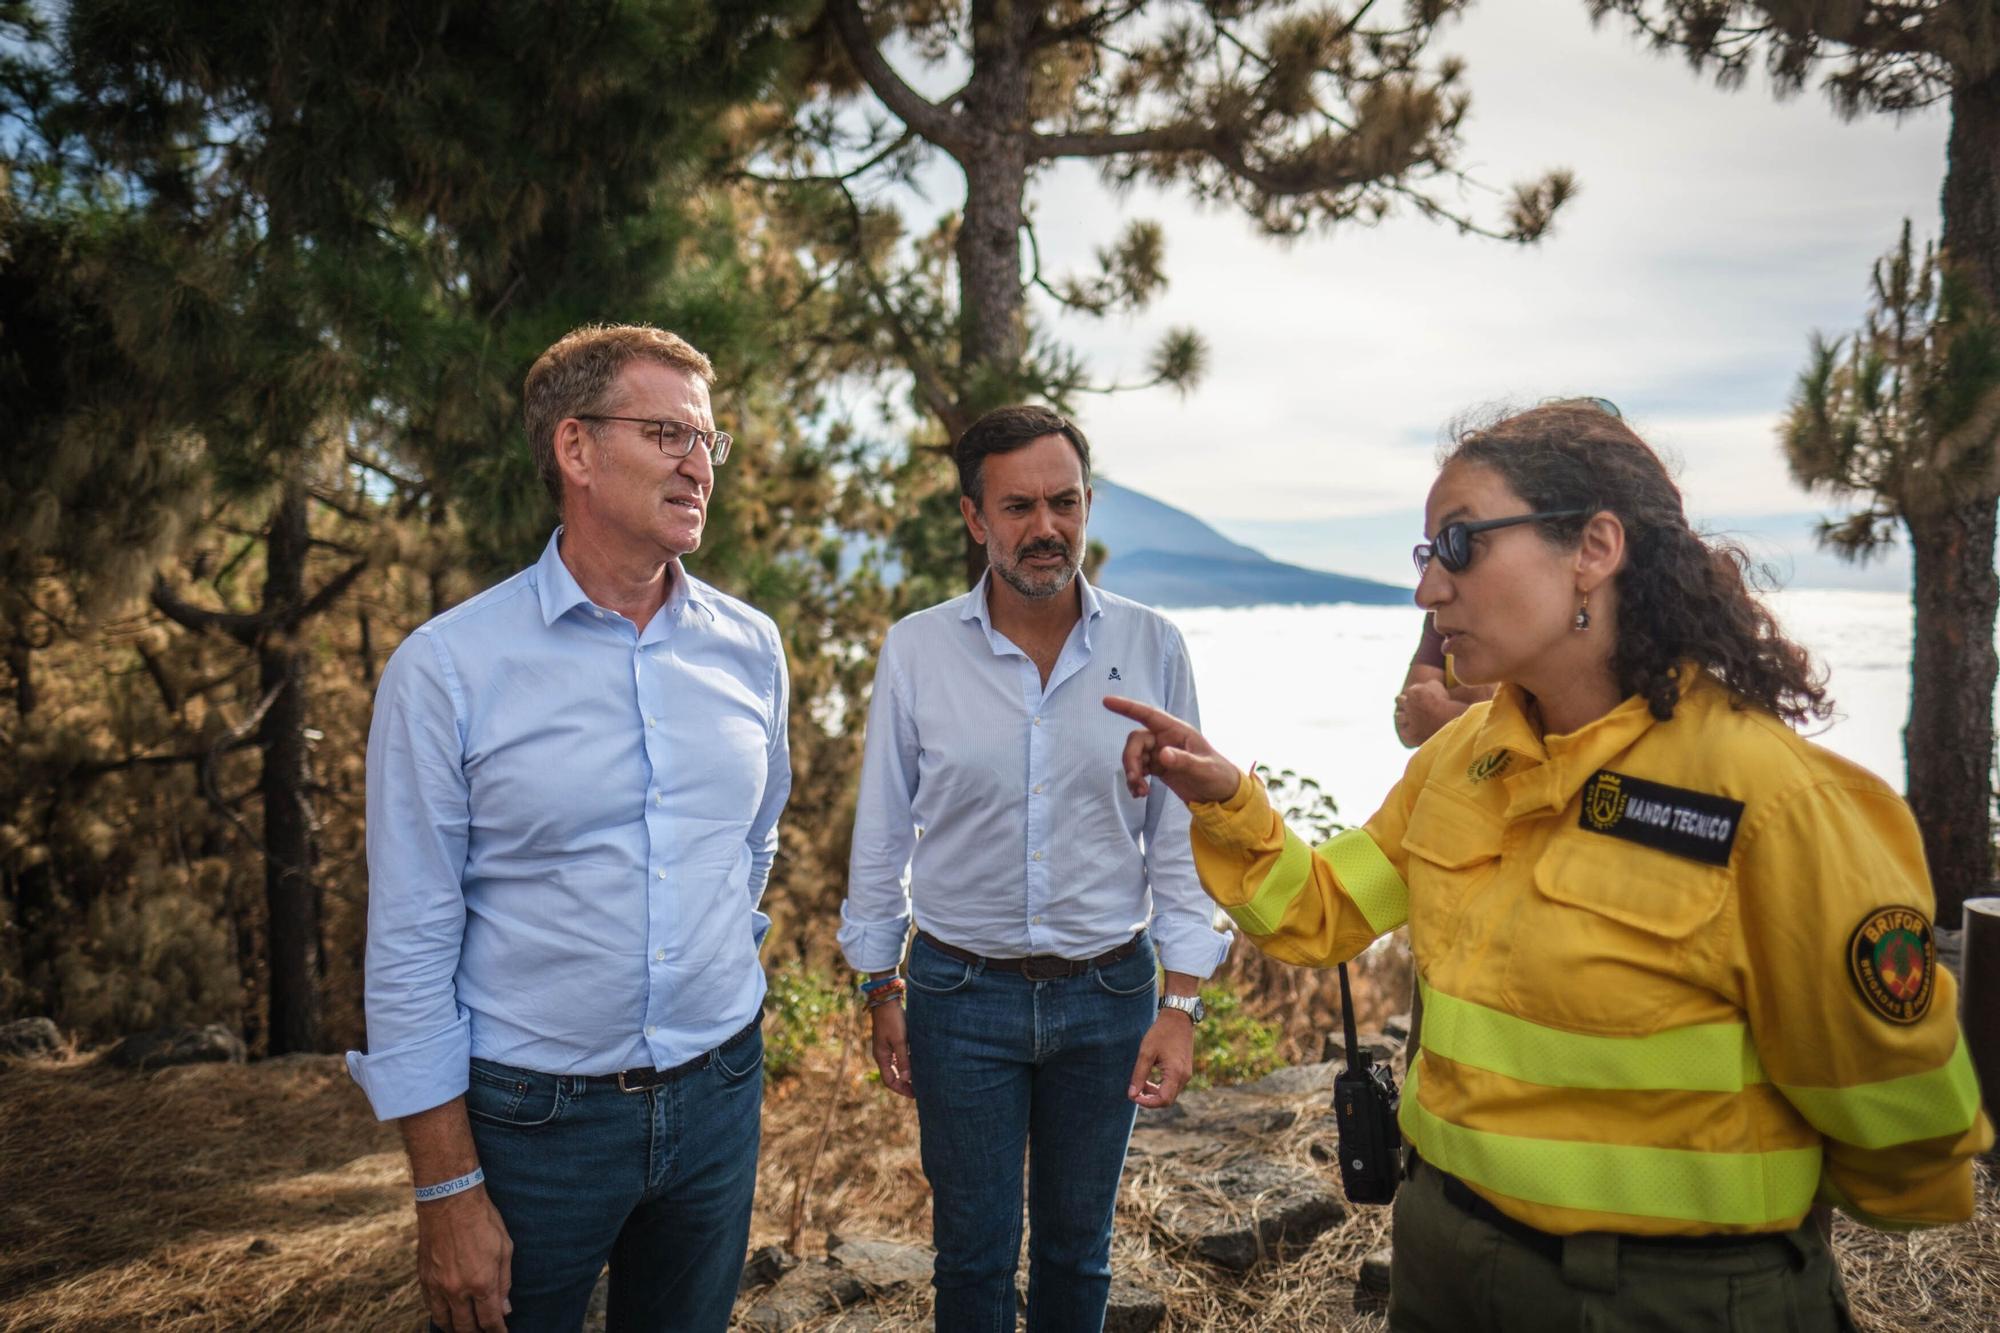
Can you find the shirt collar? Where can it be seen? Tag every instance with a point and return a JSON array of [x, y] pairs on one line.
[[560, 592], [1558, 766], [975, 607]]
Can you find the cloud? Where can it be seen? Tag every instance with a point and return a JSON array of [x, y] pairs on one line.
[[1715, 231]]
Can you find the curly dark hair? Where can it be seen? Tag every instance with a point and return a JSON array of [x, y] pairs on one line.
[[1680, 597]]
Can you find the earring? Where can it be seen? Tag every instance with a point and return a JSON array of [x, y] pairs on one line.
[[1582, 621]]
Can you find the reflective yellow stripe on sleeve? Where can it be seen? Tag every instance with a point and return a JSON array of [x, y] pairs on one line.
[[1282, 882], [1705, 1057], [1929, 1105], [1368, 879], [1737, 1189]]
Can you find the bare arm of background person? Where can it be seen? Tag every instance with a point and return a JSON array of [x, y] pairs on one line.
[[465, 1258]]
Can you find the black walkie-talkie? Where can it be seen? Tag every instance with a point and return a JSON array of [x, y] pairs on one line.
[[1364, 1106]]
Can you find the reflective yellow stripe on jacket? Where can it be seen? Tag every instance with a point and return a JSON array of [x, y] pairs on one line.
[[1749, 1189], [1365, 876]]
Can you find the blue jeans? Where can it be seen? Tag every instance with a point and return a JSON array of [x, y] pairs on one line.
[[1002, 1066], [658, 1183]]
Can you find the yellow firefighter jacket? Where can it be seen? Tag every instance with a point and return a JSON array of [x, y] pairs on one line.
[[1678, 976]]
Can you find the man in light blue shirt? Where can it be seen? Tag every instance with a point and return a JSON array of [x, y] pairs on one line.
[[574, 782], [1042, 891]]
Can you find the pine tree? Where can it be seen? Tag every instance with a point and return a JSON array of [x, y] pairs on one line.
[[1298, 117], [394, 203], [1875, 56]]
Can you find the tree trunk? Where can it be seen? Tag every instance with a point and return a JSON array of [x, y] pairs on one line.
[[291, 897], [21, 661], [1971, 199], [992, 331], [1949, 742]]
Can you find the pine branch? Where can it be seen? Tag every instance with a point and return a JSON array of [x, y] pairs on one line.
[[240, 626], [247, 627], [927, 118], [328, 594], [1187, 137]]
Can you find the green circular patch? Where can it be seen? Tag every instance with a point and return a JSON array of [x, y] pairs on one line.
[[1894, 963]]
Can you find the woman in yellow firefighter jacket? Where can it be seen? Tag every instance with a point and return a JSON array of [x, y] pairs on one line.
[[1679, 981]]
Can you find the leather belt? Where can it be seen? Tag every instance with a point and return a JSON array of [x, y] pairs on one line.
[[638, 1080], [1550, 1246], [1036, 966]]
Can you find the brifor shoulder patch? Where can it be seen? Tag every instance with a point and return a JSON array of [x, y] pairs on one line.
[[1893, 961], [1695, 824]]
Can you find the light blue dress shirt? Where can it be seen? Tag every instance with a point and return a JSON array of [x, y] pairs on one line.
[[570, 823], [1004, 800]]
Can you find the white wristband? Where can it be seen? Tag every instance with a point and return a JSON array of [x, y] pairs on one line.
[[444, 1189]]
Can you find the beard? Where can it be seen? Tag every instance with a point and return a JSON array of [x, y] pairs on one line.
[[1035, 584]]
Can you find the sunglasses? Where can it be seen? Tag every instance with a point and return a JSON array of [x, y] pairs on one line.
[[1453, 544]]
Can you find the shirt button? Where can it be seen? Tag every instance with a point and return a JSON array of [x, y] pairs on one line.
[[1038, 856], [660, 956], [659, 798], [649, 1029], [1035, 922], [659, 874], [600, 615], [1038, 722], [1038, 789], [651, 720]]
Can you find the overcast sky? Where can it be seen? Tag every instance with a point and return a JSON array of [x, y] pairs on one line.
[[1714, 231]]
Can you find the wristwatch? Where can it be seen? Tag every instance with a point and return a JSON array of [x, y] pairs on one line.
[[1190, 1005]]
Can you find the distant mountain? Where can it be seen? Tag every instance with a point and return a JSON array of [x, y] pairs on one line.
[[1165, 556]]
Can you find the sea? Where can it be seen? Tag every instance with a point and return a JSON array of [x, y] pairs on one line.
[[1310, 688]]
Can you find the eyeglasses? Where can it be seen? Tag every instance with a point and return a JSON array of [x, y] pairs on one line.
[[677, 439], [1453, 544]]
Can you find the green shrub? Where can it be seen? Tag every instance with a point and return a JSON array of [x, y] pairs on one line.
[[1230, 1046], [805, 1008]]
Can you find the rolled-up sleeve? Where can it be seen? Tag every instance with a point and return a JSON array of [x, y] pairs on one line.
[[875, 917], [419, 1039], [1183, 915]]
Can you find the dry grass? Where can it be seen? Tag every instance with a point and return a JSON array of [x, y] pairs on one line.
[[267, 1197]]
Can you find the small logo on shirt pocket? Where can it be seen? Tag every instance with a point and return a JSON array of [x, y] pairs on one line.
[[1114, 675]]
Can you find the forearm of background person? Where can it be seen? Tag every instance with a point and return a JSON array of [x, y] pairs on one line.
[[1423, 710], [1406, 725], [464, 1255], [875, 913], [763, 836], [1183, 916]]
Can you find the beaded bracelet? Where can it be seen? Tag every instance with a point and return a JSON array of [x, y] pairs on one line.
[[869, 987], [444, 1189], [887, 991]]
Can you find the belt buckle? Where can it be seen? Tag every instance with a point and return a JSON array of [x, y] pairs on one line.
[[1044, 967], [646, 1082]]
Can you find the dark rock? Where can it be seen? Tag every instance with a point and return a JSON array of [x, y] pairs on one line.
[[1238, 1213], [1295, 1080], [766, 1264], [1133, 1308], [1151, 1142], [1220, 1112], [880, 1264], [1397, 1026], [808, 1291], [260, 1247], [1375, 1271], [214, 1044], [30, 1038]]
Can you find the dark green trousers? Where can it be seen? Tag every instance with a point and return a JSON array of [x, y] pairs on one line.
[[1454, 1273]]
